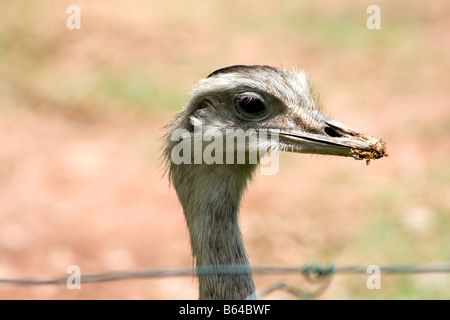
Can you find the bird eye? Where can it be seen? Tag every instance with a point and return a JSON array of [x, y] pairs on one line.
[[251, 105]]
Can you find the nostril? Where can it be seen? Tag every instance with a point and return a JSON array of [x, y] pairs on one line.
[[332, 132]]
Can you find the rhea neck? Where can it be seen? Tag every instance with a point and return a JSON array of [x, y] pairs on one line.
[[210, 196]]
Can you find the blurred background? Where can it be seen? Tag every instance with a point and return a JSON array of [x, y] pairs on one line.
[[82, 113]]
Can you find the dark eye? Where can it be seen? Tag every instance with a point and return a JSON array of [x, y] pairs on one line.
[[251, 105]]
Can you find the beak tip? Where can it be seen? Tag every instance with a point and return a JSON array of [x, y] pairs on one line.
[[375, 149]]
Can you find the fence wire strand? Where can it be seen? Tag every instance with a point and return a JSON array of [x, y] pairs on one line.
[[313, 273]]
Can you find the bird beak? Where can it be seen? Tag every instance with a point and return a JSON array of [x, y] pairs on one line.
[[333, 138]]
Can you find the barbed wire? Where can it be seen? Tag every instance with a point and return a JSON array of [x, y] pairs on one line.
[[314, 273]]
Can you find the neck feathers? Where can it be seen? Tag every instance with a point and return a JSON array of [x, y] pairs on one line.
[[210, 196]]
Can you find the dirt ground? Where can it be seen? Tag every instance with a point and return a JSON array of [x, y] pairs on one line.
[[81, 180]]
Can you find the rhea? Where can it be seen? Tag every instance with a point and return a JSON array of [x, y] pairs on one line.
[[264, 99]]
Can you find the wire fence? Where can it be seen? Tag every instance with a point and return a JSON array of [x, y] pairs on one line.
[[314, 273]]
